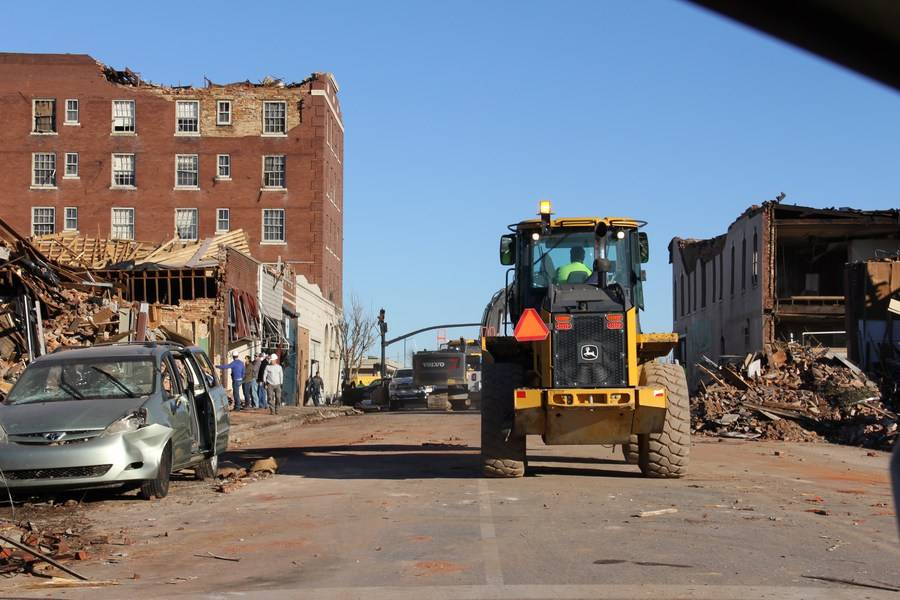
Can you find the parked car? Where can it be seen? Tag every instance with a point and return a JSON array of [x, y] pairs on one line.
[[402, 390], [118, 415]]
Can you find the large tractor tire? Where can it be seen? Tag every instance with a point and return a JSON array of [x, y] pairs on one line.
[[630, 450], [502, 450], [666, 454]]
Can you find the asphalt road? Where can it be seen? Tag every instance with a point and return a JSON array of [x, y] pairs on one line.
[[390, 506]]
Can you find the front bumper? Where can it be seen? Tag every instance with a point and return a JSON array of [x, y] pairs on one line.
[[589, 416], [408, 394], [131, 456]]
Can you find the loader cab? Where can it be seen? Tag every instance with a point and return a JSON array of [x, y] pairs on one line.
[[566, 253]]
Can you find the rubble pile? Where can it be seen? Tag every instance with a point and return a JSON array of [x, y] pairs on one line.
[[793, 393]]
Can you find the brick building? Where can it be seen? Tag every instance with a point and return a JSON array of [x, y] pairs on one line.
[[90, 149]]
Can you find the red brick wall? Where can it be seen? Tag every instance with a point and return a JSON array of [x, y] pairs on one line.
[[313, 146]]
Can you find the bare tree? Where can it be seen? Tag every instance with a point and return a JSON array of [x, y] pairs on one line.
[[357, 334]]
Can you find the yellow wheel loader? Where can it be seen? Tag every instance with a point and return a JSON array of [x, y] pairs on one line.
[[576, 368]]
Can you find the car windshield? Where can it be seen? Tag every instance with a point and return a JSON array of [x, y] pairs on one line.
[[568, 257], [403, 373], [110, 379]]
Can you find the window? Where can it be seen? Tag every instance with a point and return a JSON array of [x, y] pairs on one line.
[[732, 268], [187, 117], [273, 225], [43, 169], [71, 165], [123, 171], [71, 220], [713, 296], [122, 224], [273, 172], [43, 220], [223, 112], [187, 171], [744, 264], [721, 277], [224, 168], [274, 118], [223, 220], [71, 112], [123, 116], [754, 272], [682, 294], [44, 111], [694, 288], [702, 284], [186, 223]]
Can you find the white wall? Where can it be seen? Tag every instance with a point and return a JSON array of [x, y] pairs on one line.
[[321, 318]]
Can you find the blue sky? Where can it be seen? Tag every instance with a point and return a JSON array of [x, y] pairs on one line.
[[461, 115]]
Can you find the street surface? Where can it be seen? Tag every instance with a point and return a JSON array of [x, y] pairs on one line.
[[390, 506]]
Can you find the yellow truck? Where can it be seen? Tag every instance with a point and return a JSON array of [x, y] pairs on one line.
[[576, 367]]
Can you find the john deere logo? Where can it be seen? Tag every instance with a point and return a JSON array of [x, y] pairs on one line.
[[589, 352]]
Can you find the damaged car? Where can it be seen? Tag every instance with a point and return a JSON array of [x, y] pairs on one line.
[[118, 415]]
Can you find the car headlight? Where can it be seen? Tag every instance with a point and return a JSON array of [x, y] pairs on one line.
[[124, 425], [428, 389]]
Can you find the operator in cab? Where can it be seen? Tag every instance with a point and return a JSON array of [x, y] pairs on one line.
[[576, 265]]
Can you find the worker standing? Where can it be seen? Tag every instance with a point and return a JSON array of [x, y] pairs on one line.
[[237, 376], [260, 379], [274, 378]]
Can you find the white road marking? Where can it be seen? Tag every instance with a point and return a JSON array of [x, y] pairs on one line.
[[490, 551]]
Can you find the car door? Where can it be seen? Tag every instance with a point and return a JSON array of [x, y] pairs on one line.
[[218, 399], [177, 403]]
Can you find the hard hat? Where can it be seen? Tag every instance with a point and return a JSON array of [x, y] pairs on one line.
[[273, 356], [236, 354]]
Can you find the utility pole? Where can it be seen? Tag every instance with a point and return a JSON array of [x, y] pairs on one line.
[[382, 329]]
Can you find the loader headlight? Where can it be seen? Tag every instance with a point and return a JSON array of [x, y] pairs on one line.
[[132, 422]]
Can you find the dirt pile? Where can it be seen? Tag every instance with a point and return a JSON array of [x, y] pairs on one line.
[[793, 393]]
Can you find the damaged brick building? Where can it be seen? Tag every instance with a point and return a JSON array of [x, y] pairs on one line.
[[102, 152], [776, 274]]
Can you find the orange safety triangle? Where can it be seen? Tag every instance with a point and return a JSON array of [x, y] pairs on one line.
[[531, 327]]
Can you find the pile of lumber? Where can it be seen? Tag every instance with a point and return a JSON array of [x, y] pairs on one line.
[[793, 393]]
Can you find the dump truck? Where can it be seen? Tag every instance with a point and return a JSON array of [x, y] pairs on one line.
[[472, 349], [445, 372], [576, 367]]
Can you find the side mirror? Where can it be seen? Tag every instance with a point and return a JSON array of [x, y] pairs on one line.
[[644, 245], [508, 250]]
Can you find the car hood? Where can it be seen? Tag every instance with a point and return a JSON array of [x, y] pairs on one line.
[[66, 415]]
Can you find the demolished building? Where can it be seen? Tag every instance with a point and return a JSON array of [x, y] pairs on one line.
[[777, 274]]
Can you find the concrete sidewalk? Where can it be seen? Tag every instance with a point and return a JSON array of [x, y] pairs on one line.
[[248, 423]]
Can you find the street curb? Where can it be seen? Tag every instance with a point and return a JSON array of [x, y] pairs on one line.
[[241, 433]]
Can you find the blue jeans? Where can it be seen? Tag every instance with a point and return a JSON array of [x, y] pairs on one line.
[[249, 390], [236, 388], [261, 394]]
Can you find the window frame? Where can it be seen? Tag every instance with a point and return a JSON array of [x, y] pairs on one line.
[[43, 186], [112, 124], [219, 112], [196, 224], [180, 186], [34, 101], [219, 175], [112, 224], [283, 185], [219, 219], [77, 174], [273, 242], [112, 172], [66, 218], [52, 224], [178, 130], [77, 120], [283, 132]]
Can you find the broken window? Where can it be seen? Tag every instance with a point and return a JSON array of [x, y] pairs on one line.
[[71, 165], [71, 219], [273, 172], [273, 225], [123, 170], [223, 220], [186, 223], [274, 117], [754, 272], [187, 116], [187, 170], [122, 224], [43, 220], [44, 116], [71, 112], [43, 169], [123, 116], [223, 112], [224, 166]]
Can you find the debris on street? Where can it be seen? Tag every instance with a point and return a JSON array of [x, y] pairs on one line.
[[793, 393], [232, 477], [655, 513]]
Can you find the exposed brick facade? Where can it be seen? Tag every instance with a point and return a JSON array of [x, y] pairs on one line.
[[312, 144]]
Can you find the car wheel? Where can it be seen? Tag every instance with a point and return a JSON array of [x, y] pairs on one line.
[[159, 486], [207, 469]]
